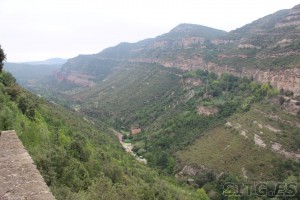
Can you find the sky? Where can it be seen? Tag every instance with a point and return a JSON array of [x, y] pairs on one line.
[[34, 30]]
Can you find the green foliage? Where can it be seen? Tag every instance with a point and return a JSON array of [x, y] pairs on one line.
[[27, 105], [202, 194], [6, 118], [204, 178], [2, 58], [77, 160], [7, 79]]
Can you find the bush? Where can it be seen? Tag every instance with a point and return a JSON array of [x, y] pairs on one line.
[[27, 106], [7, 79], [13, 91], [6, 118]]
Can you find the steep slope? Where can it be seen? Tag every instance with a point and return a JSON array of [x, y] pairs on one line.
[[247, 145], [265, 50], [77, 160], [182, 118], [182, 36], [272, 41], [190, 103]]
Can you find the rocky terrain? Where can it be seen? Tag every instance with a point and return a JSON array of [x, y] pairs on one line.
[[266, 50]]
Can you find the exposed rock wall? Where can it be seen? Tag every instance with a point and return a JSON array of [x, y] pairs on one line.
[[287, 79]]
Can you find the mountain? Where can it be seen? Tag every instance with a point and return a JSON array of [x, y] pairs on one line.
[[272, 41], [51, 61], [184, 35], [31, 76], [264, 50], [200, 104]]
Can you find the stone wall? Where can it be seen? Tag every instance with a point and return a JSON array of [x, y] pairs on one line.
[[19, 178]]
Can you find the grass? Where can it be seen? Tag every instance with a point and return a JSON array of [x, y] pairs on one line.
[[224, 149], [262, 113]]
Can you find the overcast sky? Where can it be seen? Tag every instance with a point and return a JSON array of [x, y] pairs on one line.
[[41, 29]]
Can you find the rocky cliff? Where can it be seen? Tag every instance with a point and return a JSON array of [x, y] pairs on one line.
[[266, 50], [287, 79]]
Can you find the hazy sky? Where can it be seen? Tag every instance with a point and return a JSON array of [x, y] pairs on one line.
[[41, 29]]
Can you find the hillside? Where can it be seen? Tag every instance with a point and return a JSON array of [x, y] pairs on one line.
[[264, 50], [77, 159], [196, 124], [182, 36], [200, 104]]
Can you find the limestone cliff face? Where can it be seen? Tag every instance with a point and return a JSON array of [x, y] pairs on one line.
[[269, 43], [292, 19], [274, 37], [287, 79]]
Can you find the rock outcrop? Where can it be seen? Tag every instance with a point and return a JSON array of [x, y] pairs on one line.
[[287, 79]]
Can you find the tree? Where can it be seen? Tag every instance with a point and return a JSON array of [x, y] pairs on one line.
[[2, 58], [27, 106], [6, 118], [7, 79]]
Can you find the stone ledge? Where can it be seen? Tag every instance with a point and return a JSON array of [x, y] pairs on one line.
[[19, 177]]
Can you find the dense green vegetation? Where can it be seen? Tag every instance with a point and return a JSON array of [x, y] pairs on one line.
[[179, 126], [169, 142], [76, 159], [165, 103], [2, 58], [228, 127]]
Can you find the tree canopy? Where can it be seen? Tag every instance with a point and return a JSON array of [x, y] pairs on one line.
[[2, 58]]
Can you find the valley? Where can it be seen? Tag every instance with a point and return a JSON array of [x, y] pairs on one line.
[[128, 147], [172, 117]]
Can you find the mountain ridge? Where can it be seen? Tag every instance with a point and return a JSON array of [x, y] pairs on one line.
[[269, 43], [50, 61]]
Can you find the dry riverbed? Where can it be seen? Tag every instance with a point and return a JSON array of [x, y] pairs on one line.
[[128, 147]]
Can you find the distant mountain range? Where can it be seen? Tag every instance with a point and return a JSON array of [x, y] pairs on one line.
[[29, 73], [51, 61]]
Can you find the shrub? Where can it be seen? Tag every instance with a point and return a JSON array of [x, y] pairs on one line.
[[27, 106]]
